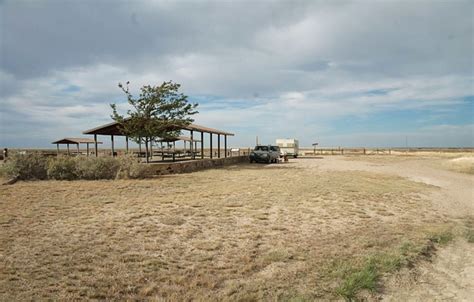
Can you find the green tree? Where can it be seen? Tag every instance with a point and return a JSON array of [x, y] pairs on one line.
[[159, 112]]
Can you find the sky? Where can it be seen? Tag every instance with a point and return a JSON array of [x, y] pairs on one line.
[[340, 73]]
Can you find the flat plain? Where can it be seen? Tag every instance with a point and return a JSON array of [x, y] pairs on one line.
[[293, 231]]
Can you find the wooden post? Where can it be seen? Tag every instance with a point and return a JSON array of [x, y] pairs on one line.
[[140, 145], [77, 149], [364, 151], [87, 149], [151, 149], [210, 144], [218, 146], [68, 150], [95, 146], [191, 144], [112, 143], [162, 151], [225, 145], [57, 147], [202, 145], [126, 143]]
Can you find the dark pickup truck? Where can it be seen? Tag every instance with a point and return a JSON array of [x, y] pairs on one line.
[[266, 154]]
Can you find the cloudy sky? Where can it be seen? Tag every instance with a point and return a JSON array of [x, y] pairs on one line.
[[341, 73]]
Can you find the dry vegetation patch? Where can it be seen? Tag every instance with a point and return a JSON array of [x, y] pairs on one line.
[[242, 233]]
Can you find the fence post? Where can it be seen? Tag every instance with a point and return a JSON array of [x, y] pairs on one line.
[[364, 151]]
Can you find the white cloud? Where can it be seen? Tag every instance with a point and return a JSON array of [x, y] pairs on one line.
[[277, 68]]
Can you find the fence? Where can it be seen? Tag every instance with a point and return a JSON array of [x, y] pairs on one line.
[[376, 151]]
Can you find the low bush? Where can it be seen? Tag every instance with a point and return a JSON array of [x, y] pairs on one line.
[[131, 167], [36, 166], [97, 167], [26, 166], [62, 168]]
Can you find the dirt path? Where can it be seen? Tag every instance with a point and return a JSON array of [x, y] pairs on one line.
[[449, 277], [456, 196], [450, 274]]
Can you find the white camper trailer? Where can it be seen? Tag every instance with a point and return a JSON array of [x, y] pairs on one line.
[[288, 146]]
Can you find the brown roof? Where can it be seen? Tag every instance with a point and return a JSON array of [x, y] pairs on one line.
[[113, 129], [75, 140], [199, 128]]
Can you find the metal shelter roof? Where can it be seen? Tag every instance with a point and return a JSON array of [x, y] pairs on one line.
[[114, 129], [75, 140]]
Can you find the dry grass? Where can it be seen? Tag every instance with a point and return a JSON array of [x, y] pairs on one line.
[[463, 164], [242, 233]]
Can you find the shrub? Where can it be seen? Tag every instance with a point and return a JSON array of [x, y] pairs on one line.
[[97, 167], [62, 168], [131, 167], [26, 166], [36, 166]]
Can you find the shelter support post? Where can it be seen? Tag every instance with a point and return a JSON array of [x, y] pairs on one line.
[[225, 145], [218, 146], [112, 145], [210, 145], [95, 146], [68, 149], [151, 148], [202, 145], [78, 149], [174, 151], [57, 147], [191, 144], [87, 149]]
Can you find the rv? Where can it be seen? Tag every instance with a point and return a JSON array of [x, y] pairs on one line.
[[288, 146]]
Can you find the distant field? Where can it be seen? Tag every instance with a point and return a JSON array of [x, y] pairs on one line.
[[299, 230]]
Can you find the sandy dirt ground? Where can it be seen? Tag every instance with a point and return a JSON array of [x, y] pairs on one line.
[[450, 274], [246, 232]]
